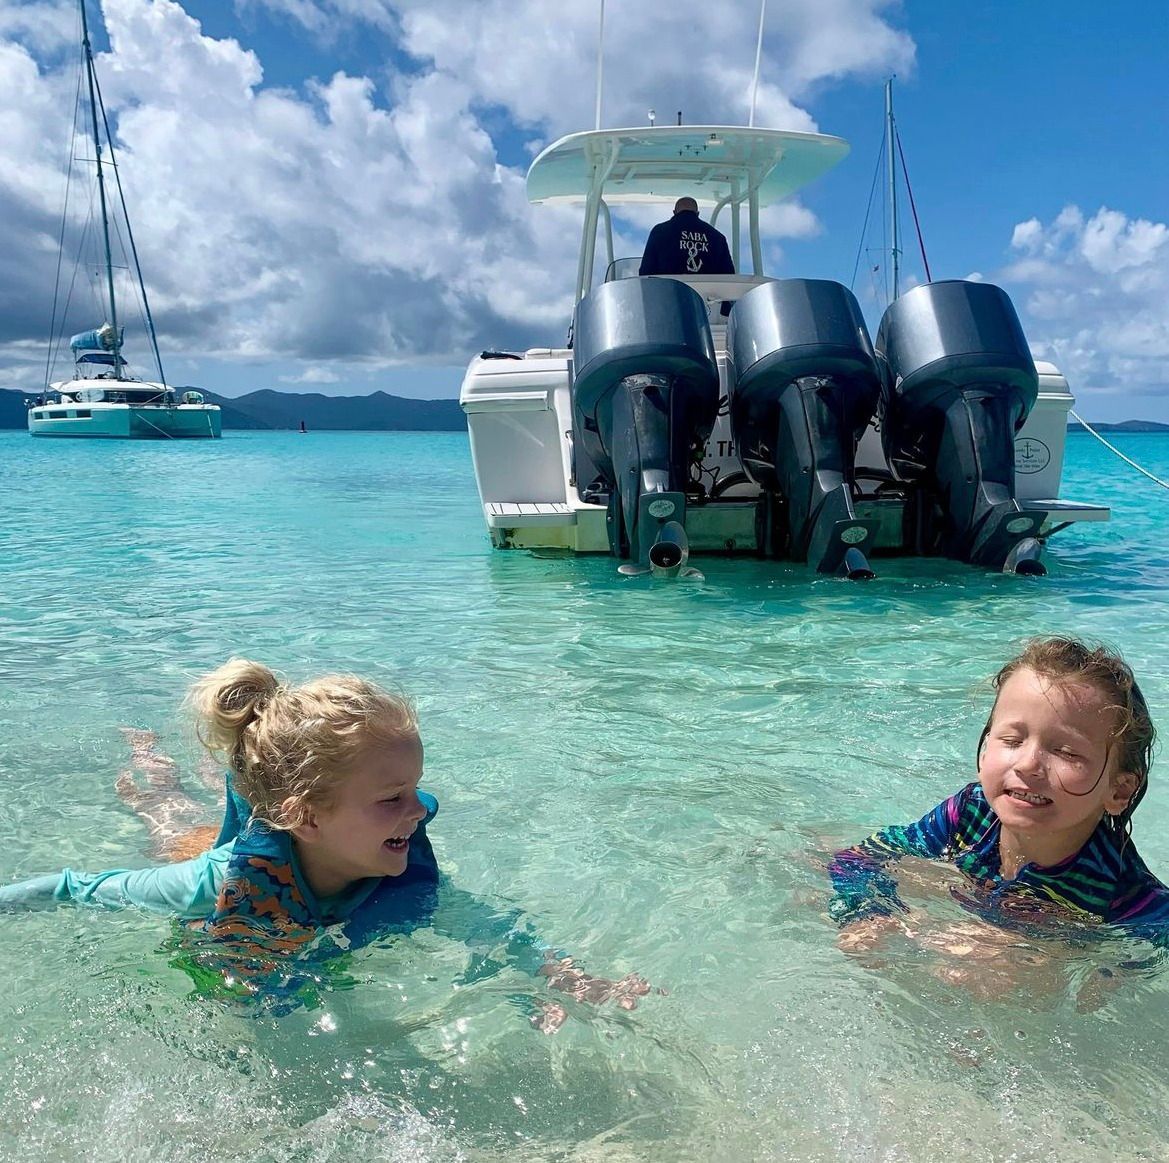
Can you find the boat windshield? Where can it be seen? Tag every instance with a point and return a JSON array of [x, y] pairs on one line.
[[623, 268]]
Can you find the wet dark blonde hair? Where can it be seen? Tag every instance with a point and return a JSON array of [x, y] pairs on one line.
[[1070, 662], [289, 748]]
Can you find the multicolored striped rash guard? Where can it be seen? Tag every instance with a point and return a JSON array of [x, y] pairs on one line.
[[1103, 882]]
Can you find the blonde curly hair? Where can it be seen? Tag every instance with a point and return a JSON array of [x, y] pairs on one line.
[[289, 748]]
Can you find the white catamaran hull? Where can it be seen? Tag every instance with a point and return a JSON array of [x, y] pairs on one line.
[[121, 420]]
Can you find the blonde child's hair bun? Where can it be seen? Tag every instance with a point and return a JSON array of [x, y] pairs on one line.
[[289, 747], [227, 702]]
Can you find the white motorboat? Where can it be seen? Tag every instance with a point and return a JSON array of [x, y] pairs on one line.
[[747, 414], [102, 398]]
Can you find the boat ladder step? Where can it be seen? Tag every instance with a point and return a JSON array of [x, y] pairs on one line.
[[505, 514]]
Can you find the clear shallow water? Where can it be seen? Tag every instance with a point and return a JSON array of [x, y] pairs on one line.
[[653, 772]]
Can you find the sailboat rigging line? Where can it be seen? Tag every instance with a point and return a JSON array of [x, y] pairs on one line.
[[49, 359], [168, 435], [130, 238], [1112, 448], [101, 189], [925, 262], [868, 210], [60, 339]]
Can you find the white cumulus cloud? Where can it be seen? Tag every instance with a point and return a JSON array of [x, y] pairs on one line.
[[1093, 290], [377, 219]]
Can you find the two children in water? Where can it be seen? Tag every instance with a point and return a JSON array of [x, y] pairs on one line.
[[324, 845]]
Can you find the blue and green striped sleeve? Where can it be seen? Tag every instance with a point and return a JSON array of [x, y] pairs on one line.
[[862, 886]]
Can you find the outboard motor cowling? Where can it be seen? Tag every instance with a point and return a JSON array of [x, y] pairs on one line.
[[960, 383], [803, 387], [645, 398]]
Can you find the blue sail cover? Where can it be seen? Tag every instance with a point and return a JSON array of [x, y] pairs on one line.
[[100, 339]]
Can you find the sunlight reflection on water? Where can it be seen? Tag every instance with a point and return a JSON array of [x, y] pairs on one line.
[[653, 773]]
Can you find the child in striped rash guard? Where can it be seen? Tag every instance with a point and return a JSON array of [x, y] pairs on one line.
[[1063, 762]]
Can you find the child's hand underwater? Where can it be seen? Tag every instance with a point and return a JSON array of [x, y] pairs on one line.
[[870, 933], [564, 976], [986, 961]]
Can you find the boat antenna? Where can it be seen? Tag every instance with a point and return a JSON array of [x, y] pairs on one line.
[[891, 159], [101, 190], [758, 56], [600, 63]]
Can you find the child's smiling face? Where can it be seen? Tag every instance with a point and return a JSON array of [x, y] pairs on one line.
[[1050, 762], [365, 830]]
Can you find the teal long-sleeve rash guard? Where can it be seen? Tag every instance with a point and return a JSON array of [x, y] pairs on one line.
[[187, 890], [190, 890]]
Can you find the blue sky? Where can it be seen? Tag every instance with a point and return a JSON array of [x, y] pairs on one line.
[[328, 194]]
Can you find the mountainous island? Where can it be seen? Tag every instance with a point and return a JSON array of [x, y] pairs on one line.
[[379, 412]]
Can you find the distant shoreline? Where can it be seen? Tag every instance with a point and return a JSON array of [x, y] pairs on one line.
[[1123, 427], [286, 411], [267, 410]]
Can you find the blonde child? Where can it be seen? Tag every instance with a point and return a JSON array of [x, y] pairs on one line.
[[1063, 762], [324, 846]]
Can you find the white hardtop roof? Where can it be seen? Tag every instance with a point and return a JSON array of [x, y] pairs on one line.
[[711, 163]]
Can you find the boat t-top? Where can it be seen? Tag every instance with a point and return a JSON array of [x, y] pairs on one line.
[[103, 398], [744, 414]]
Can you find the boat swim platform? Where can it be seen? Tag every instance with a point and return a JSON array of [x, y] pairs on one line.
[[506, 514], [726, 527]]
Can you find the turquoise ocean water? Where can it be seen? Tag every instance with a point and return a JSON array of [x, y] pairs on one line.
[[653, 772]]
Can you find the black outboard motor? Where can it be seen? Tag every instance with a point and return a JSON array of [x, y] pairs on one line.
[[960, 383], [644, 399], [804, 385]]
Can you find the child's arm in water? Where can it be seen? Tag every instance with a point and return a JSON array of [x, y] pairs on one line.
[[502, 937], [187, 889], [866, 898]]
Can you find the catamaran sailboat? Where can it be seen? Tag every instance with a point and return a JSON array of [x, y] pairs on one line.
[[753, 415], [102, 398]]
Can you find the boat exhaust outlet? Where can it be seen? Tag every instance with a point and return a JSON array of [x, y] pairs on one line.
[[1024, 558], [667, 555]]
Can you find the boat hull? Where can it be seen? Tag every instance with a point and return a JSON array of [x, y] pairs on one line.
[[522, 436], [127, 421]]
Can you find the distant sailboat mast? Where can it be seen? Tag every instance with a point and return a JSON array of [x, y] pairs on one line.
[[101, 191], [894, 219]]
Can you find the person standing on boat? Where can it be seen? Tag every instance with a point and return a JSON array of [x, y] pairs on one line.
[[685, 245]]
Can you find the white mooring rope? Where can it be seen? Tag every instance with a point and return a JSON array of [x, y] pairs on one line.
[[1112, 448]]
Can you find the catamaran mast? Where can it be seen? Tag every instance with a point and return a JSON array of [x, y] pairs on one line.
[[101, 191], [894, 226]]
